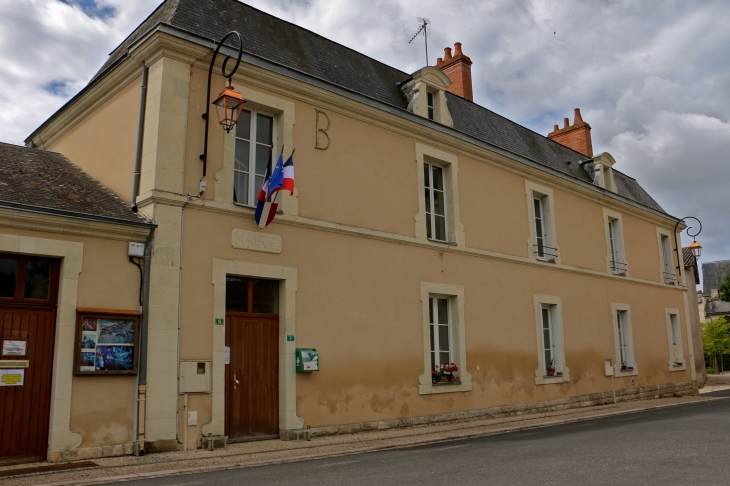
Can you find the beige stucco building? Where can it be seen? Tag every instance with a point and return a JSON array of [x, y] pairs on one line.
[[423, 229]]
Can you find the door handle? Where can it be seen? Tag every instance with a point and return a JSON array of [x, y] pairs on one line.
[[235, 381]]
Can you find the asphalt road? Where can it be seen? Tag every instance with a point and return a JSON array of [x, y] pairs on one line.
[[689, 444]]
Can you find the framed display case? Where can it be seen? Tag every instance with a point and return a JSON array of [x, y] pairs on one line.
[[106, 342]]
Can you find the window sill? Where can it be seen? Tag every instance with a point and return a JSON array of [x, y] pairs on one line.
[[677, 366], [446, 384], [434, 388], [551, 380], [546, 260], [618, 373], [620, 274], [450, 243]]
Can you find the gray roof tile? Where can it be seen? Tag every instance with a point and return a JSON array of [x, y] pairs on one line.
[[48, 180], [289, 45]]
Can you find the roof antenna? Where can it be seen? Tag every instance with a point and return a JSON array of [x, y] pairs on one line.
[[425, 27]]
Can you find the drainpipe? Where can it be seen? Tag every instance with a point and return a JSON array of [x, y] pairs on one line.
[[141, 391], [140, 137]]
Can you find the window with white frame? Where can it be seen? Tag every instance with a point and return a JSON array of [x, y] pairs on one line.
[[430, 104], [435, 189], [667, 270], [615, 239], [440, 321], [624, 340], [551, 340], [544, 247], [675, 338], [254, 151]]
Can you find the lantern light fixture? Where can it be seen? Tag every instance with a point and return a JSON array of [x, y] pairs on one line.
[[228, 107], [228, 104], [695, 247]]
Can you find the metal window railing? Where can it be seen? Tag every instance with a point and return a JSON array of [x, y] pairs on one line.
[[619, 267], [545, 252], [669, 277]]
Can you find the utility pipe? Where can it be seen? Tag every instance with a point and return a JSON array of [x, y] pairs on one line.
[[142, 373], [140, 136]]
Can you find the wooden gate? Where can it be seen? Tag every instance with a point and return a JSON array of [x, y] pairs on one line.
[[252, 375], [28, 289]]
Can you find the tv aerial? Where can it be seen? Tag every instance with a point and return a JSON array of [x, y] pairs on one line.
[[424, 27]]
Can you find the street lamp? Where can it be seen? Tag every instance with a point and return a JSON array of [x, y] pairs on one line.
[[695, 247], [229, 103]]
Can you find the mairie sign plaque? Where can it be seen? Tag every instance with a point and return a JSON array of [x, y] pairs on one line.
[[249, 240]]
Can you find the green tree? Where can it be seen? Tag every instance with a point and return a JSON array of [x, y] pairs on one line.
[[716, 338], [724, 288]]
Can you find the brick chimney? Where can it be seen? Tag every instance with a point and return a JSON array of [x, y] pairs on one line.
[[458, 69], [576, 136]]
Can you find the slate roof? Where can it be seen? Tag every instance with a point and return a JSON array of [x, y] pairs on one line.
[[712, 275], [691, 262], [294, 47], [714, 307], [48, 180]]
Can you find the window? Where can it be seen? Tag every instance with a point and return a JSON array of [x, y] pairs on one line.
[[251, 295], [675, 339], [440, 323], [433, 181], [28, 279], [442, 307], [551, 366], [615, 239], [550, 339], [254, 151], [429, 97], [624, 340], [544, 246], [666, 254]]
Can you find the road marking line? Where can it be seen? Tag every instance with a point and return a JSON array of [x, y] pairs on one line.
[[338, 463], [451, 447]]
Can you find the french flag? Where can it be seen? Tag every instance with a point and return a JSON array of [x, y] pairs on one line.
[[265, 210], [282, 177]]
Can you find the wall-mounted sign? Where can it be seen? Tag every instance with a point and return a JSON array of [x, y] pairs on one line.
[[290, 337], [249, 240], [12, 377], [219, 322], [14, 348], [107, 344], [306, 360]]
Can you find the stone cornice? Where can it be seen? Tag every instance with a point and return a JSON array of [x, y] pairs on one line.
[[19, 219], [171, 199]]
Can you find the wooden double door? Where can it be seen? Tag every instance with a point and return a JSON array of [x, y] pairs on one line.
[[28, 289], [252, 372]]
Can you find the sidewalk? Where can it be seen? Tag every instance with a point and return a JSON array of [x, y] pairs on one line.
[[716, 383], [250, 454]]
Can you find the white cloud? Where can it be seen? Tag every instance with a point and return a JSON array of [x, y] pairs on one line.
[[652, 78]]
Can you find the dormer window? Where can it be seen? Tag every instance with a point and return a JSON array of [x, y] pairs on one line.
[[601, 169], [426, 95]]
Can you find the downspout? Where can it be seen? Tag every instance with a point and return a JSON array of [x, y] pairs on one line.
[[141, 391], [140, 136]]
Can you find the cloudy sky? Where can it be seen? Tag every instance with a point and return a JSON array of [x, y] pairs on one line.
[[652, 77]]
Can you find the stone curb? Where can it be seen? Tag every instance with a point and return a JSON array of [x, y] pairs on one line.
[[362, 450]]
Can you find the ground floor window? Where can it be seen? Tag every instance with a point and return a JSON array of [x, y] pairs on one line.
[[444, 341], [675, 338], [551, 357], [442, 360]]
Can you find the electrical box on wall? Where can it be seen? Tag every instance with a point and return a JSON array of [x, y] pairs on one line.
[[194, 376], [136, 249], [307, 359]]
